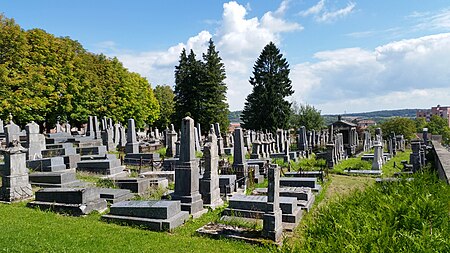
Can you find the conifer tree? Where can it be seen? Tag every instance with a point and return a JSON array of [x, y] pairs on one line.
[[266, 108]]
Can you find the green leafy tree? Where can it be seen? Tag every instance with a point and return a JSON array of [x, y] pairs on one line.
[[44, 77], [165, 96], [306, 115], [439, 126], [421, 123], [399, 125], [266, 107]]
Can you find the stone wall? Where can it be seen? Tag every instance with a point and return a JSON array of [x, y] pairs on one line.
[[441, 157]]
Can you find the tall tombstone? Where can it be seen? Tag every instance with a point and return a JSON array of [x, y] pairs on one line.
[[97, 132], [377, 162], [68, 127], [132, 145], [110, 123], [197, 140], [199, 132], [157, 136], [272, 219], [90, 127], [108, 139], [1, 127], [302, 141], [219, 139], [58, 127], [187, 172], [331, 160], [15, 181], [425, 135], [104, 123], [35, 141], [116, 134], [287, 156], [239, 162], [12, 132], [123, 136], [209, 184], [171, 141]]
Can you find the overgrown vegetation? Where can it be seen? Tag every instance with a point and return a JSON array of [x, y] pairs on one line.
[[405, 216]]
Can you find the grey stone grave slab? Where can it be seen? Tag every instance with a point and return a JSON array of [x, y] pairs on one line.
[[227, 184], [300, 182], [115, 195], [136, 185], [169, 175], [47, 164], [158, 215], [305, 197], [58, 179], [74, 201]]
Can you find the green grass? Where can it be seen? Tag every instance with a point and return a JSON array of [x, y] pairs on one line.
[[389, 169], [32, 230], [354, 163], [407, 216]]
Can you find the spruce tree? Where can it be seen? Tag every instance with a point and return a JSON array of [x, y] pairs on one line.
[[266, 108], [214, 91], [200, 91]]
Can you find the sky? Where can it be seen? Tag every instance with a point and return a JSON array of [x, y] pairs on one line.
[[344, 56]]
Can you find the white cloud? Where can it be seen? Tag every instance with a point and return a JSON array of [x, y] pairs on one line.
[[323, 15], [238, 38], [314, 10], [439, 20], [407, 72]]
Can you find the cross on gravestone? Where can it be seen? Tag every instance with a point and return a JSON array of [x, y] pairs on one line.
[[15, 181], [272, 219]]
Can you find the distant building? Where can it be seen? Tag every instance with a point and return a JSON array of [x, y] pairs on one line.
[[365, 123], [441, 111], [232, 126]]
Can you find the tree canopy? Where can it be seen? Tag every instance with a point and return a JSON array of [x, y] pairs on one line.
[[306, 115], [399, 125], [200, 91], [44, 77], [266, 108], [164, 94]]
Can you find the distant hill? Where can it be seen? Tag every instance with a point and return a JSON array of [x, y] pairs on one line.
[[235, 117], [329, 118], [377, 116]]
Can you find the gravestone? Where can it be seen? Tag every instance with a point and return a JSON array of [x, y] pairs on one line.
[[239, 163], [156, 215], [116, 134], [97, 132], [1, 127], [197, 140], [74, 201], [219, 139], [108, 139], [123, 137], [187, 172], [15, 184], [90, 127], [377, 162], [209, 184], [68, 127], [272, 219], [132, 145], [302, 141], [171, 140], [35, 141], [12, 132]]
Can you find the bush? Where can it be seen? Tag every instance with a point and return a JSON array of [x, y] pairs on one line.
[[405, 216]]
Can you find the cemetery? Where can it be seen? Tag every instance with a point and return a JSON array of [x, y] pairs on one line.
[[262, 195], [95, 159]]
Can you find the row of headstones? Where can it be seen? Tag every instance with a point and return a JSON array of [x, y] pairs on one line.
[[172, 140], [419, 148], [335, 148], [112, 135], [266, 144], [308, 140]]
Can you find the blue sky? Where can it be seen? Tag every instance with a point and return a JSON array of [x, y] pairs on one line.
[[345, 56]]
